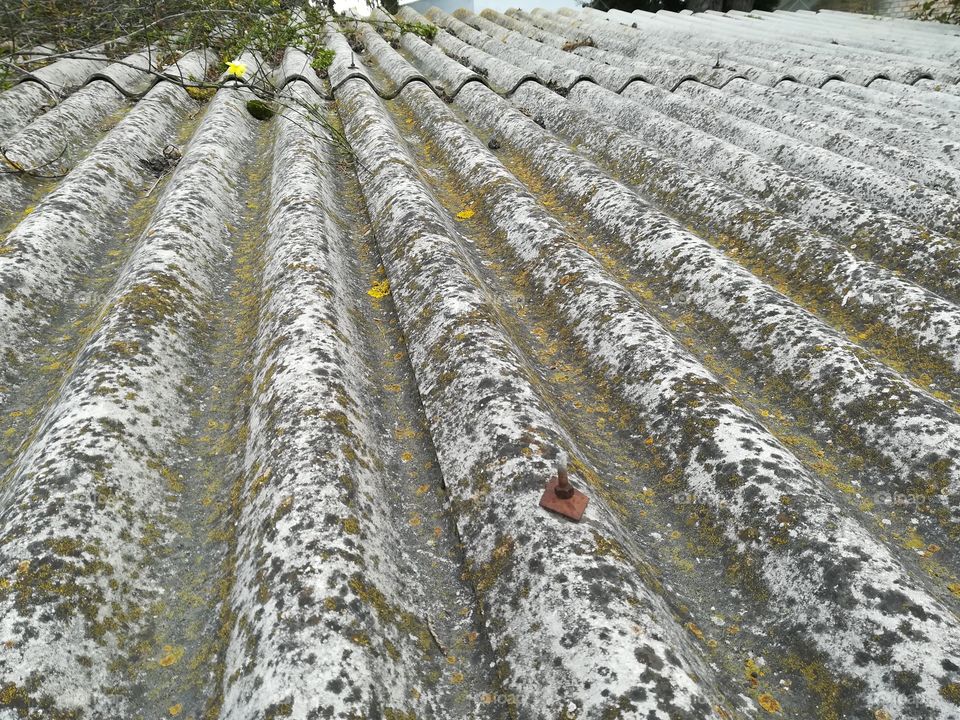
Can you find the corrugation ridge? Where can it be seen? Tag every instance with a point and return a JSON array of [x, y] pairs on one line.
[[791, 26], [88, 506], [49, 145], [318, 522], [557, 74], [655, 25], [852, 63], [888, 158], [935, 209], [878, 96], [861, 290], [47, 249], [714, 282], [937, 215], [483, 413], [655, 73], [876, 108], [879, 129], [761, 71], [655, 375]]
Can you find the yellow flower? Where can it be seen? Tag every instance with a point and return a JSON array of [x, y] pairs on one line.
[[237, 69]]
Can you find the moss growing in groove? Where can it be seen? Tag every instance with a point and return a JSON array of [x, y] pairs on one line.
[[834, 691], [260, 109]]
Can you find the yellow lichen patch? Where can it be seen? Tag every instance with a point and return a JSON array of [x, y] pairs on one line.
[[283, 508], [951, 693], [379, 289], [9, 693], [415, 520], [456, 678], [769, 703], [954, 588], [489, 572], [607, 546], [175, 710], [423, 489], [257, 485], [406, 456], [465, 214], [753, 671], [695, 631], [881, 714], [171, 655], [912, 540]]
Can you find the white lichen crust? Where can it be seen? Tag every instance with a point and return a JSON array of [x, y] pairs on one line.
[[769, 503], [624, 653], [280, 391], [87, 508]]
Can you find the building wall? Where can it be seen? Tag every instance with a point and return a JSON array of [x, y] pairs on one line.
[[448, 6], [896, 8], [890, 8]]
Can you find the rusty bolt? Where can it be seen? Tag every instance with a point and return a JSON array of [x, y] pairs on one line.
[[564, 489], [561, 497]]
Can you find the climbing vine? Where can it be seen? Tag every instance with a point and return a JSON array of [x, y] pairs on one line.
[[945, 11], [34, 33]]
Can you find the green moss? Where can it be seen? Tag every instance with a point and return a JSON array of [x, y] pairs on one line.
[[278, 710], [260, 110], [390, 713], [155, 299], [951, 693], [351, 526], [69, 583], [488, 573], [826, 685], [201, 94]]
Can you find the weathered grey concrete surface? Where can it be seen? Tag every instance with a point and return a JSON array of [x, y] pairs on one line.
[[279, 396]]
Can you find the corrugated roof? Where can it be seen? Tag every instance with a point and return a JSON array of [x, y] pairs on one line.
[[279, 398]]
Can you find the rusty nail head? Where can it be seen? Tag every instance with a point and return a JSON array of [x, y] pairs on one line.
[[561, 497]]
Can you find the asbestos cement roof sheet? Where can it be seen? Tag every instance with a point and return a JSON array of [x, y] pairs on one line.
[[280, 395]]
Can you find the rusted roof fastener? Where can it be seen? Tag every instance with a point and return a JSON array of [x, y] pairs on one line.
[[562, 497]]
